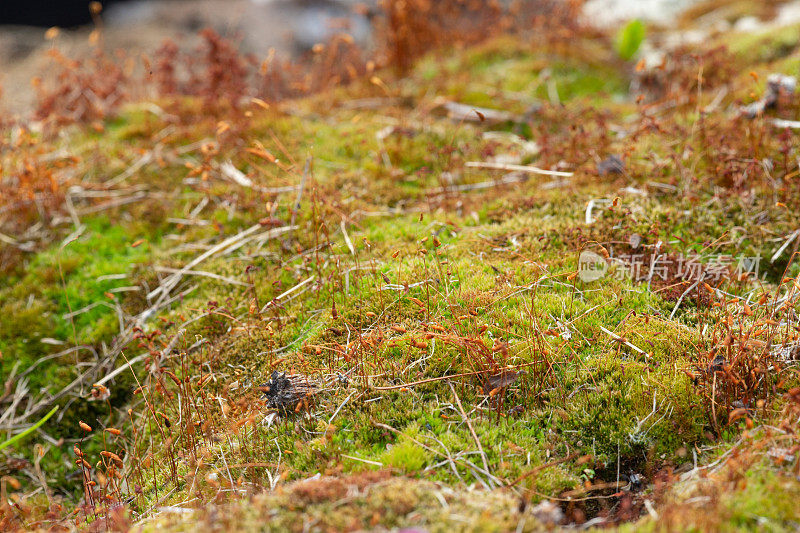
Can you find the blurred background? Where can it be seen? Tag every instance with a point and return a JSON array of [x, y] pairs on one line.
[[290, 28]]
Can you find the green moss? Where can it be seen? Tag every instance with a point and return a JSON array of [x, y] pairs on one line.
[[406, 456], [396, 286], [764, 47], [502, 74]]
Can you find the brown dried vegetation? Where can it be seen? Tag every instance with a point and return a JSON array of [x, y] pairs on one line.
[[200, 421]]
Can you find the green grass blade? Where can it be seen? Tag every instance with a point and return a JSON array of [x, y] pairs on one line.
[[31, 429]]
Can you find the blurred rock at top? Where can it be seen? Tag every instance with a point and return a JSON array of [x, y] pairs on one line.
[[610, 12]]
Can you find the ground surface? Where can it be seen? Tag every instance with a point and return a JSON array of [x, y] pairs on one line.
[[329, 314]]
